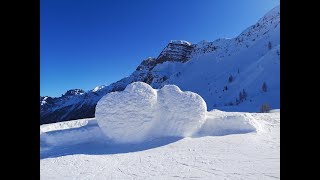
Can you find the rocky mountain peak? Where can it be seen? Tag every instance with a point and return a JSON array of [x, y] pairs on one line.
[[176, 50]]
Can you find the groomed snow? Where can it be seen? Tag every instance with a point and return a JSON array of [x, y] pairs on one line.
[[142, 113], [85, 153]]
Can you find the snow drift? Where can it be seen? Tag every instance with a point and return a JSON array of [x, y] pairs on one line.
[[219, 123], [141, 112]]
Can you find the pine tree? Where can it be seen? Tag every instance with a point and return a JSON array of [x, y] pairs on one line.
[[269, 45], [230, 78], [264, 87], [240, 96], [265, 108], [237, 101], [244, 93]]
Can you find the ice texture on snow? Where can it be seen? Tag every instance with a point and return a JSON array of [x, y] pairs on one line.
[[141, 112]]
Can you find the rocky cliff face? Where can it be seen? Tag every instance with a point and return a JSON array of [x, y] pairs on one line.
[[179, 51], [204, 68]]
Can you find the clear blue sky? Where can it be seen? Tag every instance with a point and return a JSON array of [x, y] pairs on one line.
[[86, 43]]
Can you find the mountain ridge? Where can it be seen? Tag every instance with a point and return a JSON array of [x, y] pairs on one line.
[[211, 69]]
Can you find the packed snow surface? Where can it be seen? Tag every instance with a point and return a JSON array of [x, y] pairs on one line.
[[232, 153]]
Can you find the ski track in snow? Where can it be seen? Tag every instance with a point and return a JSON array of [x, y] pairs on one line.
[[83, 152]]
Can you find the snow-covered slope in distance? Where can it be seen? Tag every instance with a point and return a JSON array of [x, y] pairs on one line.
[[219, 71]]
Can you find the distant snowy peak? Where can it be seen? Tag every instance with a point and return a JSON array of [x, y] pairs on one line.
[[73, 92], [98, 88], [180, 42], [45, 100], [272, 14], [268, 22]]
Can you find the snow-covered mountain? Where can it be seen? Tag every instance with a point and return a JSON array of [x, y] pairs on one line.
[[236, 74]]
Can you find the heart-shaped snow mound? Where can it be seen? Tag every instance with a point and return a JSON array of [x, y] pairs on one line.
[[141, 112], [181, 113], [127, 116]]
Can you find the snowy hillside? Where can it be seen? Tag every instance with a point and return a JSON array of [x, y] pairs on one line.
[[228, 73]]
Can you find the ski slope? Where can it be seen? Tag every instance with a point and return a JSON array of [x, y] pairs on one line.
[[79, 150]]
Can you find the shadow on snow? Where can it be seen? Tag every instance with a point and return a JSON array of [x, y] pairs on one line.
[[68, 145]]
